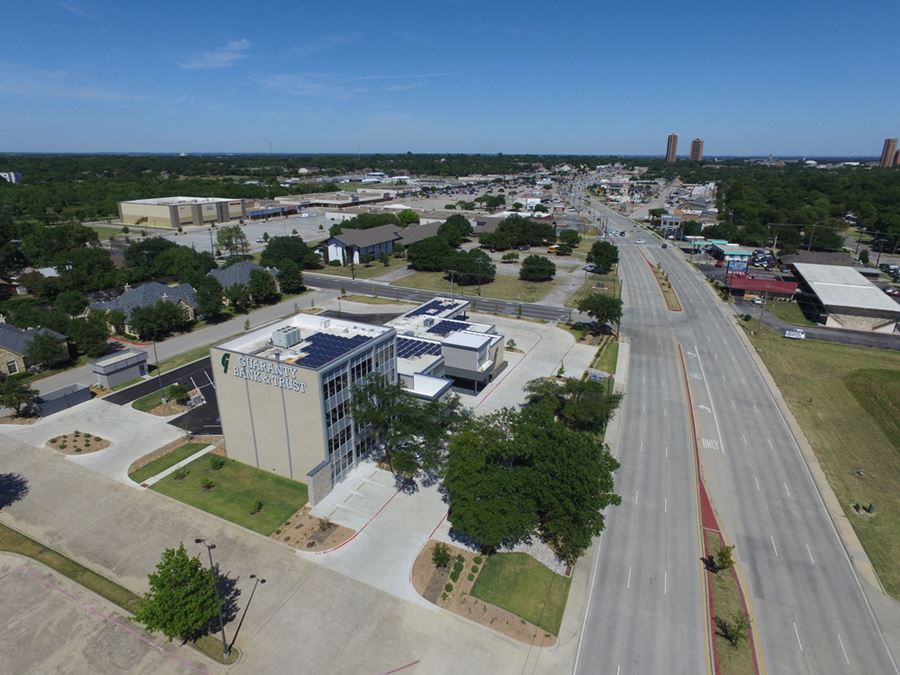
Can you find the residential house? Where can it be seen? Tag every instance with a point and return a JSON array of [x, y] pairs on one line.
[[14, 343], [146, 295], [239, 274]]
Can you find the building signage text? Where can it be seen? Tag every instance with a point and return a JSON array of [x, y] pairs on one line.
[[266, 372]]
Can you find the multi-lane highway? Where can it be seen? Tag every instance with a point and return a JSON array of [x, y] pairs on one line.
[[812, 614]]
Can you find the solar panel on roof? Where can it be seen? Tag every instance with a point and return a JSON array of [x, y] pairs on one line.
[[446, 326]]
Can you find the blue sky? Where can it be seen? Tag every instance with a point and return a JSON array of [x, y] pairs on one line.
[[793, 77]]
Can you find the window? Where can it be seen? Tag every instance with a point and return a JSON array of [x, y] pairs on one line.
[[12, 367]]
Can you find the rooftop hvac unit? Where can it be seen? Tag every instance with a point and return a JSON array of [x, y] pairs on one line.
[[286, 336], [429, 322]]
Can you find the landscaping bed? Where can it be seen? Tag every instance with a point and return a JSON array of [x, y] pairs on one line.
[[671, 298], [305, 532], [731, 657], [452, 587], [255, 499], [78, 443]]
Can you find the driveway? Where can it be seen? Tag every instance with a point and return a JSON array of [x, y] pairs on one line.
[[132, 435]]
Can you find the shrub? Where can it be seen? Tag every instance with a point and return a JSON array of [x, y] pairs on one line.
[[460, 558], [471, 577], [448, 588], [256, 508], [181, 474], [216, 462], [477, 560], [443, 596], [207, 484], [324, 524], [334, 263], [454, 575], [475, 569], [441, 556]]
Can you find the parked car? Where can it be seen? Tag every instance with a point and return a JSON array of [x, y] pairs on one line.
[[665, 245], [757, 301], [590, 267], [795, 334]]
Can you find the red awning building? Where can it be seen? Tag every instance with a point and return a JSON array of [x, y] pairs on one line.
[[773, 288]]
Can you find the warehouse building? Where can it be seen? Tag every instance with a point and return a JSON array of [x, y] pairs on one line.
[[175, 212], [847, 298]]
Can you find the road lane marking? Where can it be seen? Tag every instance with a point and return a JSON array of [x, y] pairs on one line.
[[769, 441], [757, 484], [636, 496], [810, 555], [733, 406], [665, 412], [705, 407], [711, 444], [744, 438], [786, 490], [642, 446], [665, 504], [797, 633], [666, 582], [667, 452], [774, 548], [628, 585], [841, 642], [756, 408], [587, 611]]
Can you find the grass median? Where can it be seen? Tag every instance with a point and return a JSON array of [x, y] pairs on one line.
[[733, 658], [846, 400], [234, 492], [16, 542], [520, 584]]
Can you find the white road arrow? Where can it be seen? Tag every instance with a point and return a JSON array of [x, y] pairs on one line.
[[703, 407]]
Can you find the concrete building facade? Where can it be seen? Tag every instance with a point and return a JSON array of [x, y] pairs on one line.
[[175, 212], [697, 150], [888, 152], [121, 367]]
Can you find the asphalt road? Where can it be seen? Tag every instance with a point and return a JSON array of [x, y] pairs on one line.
[[203, 419], [484, 305], [813, 614]]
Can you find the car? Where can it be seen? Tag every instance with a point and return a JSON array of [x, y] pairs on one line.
[[795, 334], [260, 241], [665, 245], [757, 301], [641, 241], [590, 267], [524, 247]]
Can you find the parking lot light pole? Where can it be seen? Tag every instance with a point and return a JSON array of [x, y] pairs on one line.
[[226, 649], [257, 580]]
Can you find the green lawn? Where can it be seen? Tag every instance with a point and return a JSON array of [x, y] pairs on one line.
[[127, 383], [610, 283], [160, 464], [376, 269], [15, 542], [370, 300], [726, 597], [237, 487], [503, 287], [608, 357], [184, 357], [788, 311], [108, 231], [846, 400], [520, 584], [148, 402]]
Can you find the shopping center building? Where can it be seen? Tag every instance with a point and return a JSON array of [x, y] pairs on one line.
[[284, 390]]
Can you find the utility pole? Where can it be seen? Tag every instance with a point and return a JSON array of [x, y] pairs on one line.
[[226, 650]]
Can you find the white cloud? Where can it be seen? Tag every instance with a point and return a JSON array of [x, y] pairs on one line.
[[76, 8], [222, 57], [331, 86], [22, 80]]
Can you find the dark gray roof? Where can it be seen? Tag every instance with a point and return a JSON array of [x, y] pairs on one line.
[[235, 275], [16, 339], [414, 233], [821, 258], [370, 237], [487, 225], [145, 295]]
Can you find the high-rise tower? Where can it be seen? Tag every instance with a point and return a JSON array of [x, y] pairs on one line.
[[672, 148], [887, 153], [697, 150]]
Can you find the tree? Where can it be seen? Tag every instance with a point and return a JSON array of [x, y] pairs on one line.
[[604, 255], [263, 288], [154, 321], [407, 217], [540, 208], [116, 318], [455, 229], [210, 297], [734, 629], [237, 297], [71, 302], [471, 268], [440, 555], [430, 255], [864, 256], [724, 558], [90, 334], [14, 393], [537, 268], [290, 277], [178, 392], [46, 350], [232, 239], [294, 249], [583, 405], [602, 308], [182, 600], [510, 257], [569, 237]]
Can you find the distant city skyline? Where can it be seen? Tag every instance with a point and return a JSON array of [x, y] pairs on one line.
[[449, 76]]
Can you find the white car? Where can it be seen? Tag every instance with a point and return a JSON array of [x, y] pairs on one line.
[[641, 241], [795, 334]]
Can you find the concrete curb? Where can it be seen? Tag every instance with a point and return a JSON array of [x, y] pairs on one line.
[[172, 469]]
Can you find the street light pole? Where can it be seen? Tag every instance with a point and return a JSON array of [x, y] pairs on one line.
[[257, 581], [226, 649]]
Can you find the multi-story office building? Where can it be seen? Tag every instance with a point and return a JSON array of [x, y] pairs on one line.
[[11, 176], [284, 390], [697, 150], [888, 152], [672, 148]]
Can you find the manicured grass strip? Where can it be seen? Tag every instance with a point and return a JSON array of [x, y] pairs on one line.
[[160, 464], [520, 584], [128, 383], [791, 312], [503, 287], [15, 542], [727, 604], [843, 413], [237, 487], [608, 358], [376, 269], [610, 283], [370, 300], [183, 358], [148, 402]]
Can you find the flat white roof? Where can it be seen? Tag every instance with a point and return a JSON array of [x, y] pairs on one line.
[[120, 356], [842, 286], [180, 201], [467, 339]]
